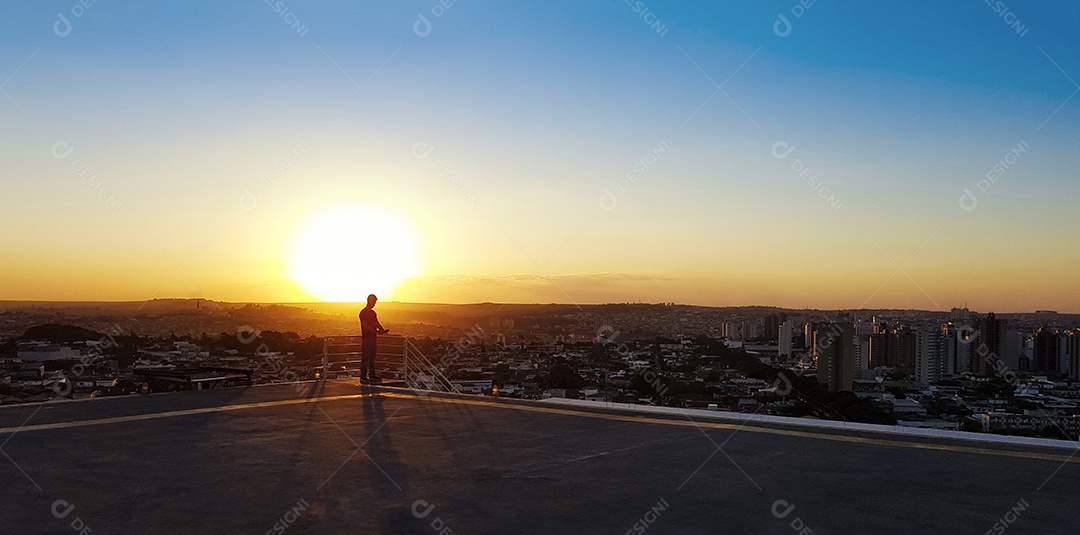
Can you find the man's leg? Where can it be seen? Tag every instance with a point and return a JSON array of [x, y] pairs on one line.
[[364, 357], [367, 363], [374, 352]]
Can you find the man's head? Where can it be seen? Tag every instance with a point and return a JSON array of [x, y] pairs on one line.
[[371, 299]]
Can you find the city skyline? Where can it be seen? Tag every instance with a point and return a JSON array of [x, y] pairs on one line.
[[830, 157]]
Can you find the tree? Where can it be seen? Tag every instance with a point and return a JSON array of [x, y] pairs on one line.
[[562, 376]]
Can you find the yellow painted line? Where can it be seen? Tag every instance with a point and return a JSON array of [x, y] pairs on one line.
[[756, 429], [169, 414]]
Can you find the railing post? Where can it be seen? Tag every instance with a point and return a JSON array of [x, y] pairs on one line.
[[324, 360]]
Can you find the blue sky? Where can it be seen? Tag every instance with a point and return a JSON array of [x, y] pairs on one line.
[[540, 108]]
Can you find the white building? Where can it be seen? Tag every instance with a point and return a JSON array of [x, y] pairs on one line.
[[787, 330], [931, 349], [42, 351]]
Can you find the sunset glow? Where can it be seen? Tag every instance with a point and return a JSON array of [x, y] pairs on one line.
[[865, 155], [344, 253]]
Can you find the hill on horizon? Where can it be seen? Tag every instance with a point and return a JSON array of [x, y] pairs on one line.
[[61, 334]]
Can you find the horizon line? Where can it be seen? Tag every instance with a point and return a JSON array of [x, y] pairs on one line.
[[51, 301]]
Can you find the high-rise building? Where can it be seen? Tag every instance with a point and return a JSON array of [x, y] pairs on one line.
[[988, 346], [772, 325], [1027, 355], [1046, 354], [808, 336], [879, 350], [883, 348], [952, 343], [864, 329], [893, 348], [835, 348], [905, 353], [740, 329], [751, 329], [785, 339], [931, 350], [861, 343], [965, 342], [1014, 348], [1065, 362], [1072, 349]]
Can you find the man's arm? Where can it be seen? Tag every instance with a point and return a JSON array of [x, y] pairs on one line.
[[378, 326]]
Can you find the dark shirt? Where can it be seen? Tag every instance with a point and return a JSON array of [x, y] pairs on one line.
[[369, 322]]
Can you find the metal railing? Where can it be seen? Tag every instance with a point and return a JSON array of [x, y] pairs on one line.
[[396, 358]]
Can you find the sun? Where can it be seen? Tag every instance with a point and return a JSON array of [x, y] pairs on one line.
[[344, 253]]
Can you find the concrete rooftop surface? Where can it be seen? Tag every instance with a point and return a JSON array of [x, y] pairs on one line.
[[336, 457]]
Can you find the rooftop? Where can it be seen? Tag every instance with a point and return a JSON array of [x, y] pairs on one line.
[[335, 457]]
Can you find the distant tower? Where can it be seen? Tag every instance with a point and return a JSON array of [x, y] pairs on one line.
[[952, 341], [931, 352], [989, 345], [1072, 349], [1014, 348], [785, 338], [965, 350], [808, 335], [835, 348], [1046, 351], [882, 348], [862, 351], [905, 352], [772, 325]]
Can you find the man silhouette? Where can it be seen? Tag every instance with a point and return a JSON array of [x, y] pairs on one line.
[[370, 329]]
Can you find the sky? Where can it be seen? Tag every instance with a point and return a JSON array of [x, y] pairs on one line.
[[816, 154]]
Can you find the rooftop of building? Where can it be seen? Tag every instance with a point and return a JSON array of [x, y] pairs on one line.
[[336, 457]]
